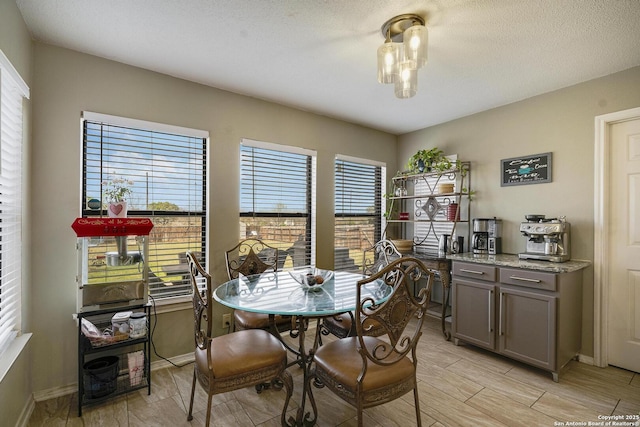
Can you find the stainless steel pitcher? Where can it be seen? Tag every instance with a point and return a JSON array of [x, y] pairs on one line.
[[444, 244]]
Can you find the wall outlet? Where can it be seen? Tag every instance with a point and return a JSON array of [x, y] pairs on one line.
[[226, 320]]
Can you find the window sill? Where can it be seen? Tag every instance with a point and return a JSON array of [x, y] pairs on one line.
[[9, 357]]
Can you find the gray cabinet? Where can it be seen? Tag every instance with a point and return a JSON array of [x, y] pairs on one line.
[[527, 327], [531, 316], [476, 323]]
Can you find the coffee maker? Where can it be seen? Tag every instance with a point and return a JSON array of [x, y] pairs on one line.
[[548, 239], [480, 238], [487, 236], [495, 236]]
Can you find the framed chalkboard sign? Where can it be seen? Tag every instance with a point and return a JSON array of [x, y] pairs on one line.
[[533, 169]]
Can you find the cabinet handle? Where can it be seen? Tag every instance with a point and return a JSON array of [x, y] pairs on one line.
[[525, 279], [464, 270], [500, 332], [490, 305]]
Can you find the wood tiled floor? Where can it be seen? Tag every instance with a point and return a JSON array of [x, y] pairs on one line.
[[458, 386]]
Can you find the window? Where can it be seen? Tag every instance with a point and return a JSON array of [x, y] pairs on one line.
[[358, 210], [277, 198], [168, 168], [12, 91]]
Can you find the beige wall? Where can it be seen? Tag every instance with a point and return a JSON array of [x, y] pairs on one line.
[[66, 83], [16, 387], [561, 122]]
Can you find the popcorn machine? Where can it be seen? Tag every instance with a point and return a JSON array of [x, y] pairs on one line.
[[112, 262]]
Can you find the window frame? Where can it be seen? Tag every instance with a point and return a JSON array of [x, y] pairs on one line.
[[11, 158], [311, 190], [379, 199], [154, 127]]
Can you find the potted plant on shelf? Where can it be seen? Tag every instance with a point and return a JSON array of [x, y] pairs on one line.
[[424, 160], [115, 192]]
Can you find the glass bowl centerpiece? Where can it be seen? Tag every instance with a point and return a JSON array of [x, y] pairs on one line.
[[311, 278]]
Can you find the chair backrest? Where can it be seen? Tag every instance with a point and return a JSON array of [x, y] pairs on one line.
[[251, 256], [202, 306], [394, 315], [182, 256], [379, 256]]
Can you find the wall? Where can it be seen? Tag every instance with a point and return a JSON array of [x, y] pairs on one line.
[[65, 84], [15, 387], [561, 122]]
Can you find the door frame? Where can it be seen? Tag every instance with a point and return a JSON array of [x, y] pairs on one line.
[[602, 170]]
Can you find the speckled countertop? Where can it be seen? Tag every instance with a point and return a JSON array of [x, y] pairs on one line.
[[511, 260]]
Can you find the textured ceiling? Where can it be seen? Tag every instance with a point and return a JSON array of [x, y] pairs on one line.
[[320, 56]]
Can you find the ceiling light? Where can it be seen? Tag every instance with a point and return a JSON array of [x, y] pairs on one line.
[[403, 52]]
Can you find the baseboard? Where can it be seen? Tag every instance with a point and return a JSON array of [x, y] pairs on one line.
[[25, 416], [181, 360], [55, 392], [585, 359]]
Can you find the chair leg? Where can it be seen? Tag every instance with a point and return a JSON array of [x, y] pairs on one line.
[[193, 392], [262, 386], [359, 416], [417, 405], [209, 409]]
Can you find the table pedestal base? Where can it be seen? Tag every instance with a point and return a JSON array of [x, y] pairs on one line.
[[304, 358]]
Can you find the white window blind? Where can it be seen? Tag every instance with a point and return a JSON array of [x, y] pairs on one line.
[[358, 210], [277, 199], [12, 91], [167, 166]]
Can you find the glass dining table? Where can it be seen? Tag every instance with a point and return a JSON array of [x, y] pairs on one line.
[[289, 293]]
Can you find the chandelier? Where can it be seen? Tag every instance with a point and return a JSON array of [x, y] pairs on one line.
[[404, 52]]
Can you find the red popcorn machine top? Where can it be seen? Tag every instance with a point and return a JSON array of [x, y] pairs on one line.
[[112, 262]]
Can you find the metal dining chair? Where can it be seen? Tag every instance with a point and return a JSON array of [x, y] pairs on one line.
[[235, 360], [367, 371], [253, 256], [374, 259]]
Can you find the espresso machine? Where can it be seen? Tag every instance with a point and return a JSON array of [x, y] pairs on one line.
[[548, 239]]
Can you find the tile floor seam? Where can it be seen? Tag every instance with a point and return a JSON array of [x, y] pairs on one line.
[[613, 411], [466, 401]]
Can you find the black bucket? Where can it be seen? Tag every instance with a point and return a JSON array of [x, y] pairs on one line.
[[100, 376]]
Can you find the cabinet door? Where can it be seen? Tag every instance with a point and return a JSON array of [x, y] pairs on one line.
[[473, 307], [527, 327]]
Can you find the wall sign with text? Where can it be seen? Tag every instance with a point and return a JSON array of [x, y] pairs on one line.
[[534, 169]]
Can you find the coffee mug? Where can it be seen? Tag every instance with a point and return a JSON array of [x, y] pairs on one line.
[[457, 245]]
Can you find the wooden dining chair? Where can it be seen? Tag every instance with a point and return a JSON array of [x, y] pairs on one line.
[[253, 256], [235, 360], [374, 259], [366, 371]]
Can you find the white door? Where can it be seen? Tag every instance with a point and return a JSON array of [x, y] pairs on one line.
[[624, 247]]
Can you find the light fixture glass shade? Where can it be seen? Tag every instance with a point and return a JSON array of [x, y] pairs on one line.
[[389, 55], [406, 84], [415, 39]]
